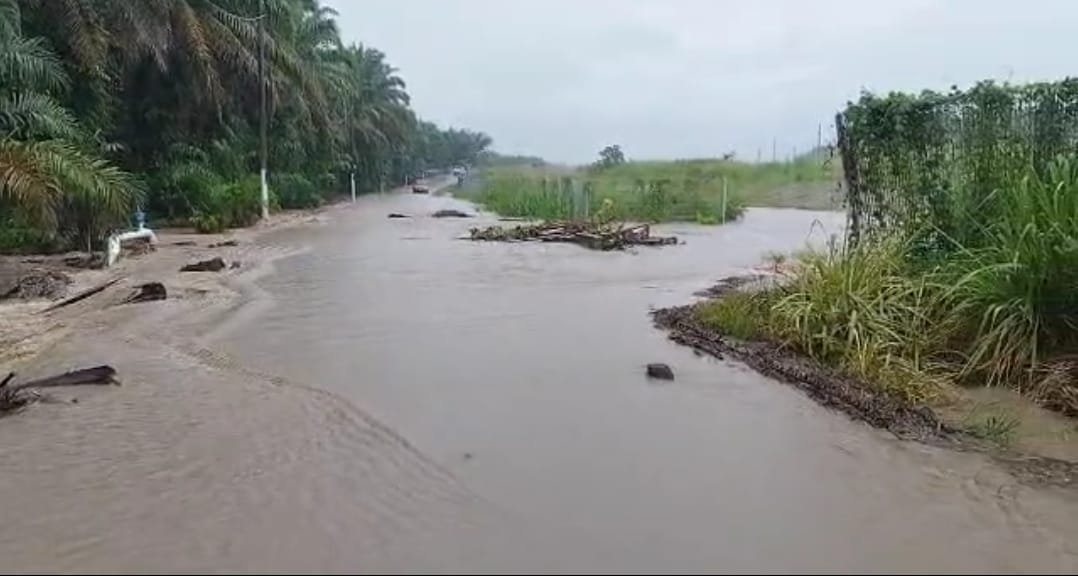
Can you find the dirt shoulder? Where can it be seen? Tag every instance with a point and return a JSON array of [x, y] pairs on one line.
[[938, 425], [197, 304], [28, 326]]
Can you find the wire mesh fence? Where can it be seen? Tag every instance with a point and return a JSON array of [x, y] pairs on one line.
[[930, 163]]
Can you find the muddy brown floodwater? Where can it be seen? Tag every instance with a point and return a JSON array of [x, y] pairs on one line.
[[390, 398]]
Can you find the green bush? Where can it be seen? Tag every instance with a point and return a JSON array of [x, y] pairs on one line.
[[180, 188], [207, 223], [232, 205], [296, 191], [17, 237]]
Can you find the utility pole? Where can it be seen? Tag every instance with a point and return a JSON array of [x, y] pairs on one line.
[[262, 105], [774, 150]]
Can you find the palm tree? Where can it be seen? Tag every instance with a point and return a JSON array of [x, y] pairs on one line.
[[375, 106], [169, 88], [44, 169]]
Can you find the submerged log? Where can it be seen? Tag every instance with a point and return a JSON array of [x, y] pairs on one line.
[[148, 293], [450, 213], [211, 265], [13, 397], [589, 234], [100, 375], [81, 295]]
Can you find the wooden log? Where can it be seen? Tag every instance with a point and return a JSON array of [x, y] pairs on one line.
[[99, 375], [8, 378], [451, 213], [211, 265], [148, 293], [81, 295]]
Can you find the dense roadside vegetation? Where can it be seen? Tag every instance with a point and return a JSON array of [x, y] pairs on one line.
[[656, 191], [106, 105], [962, 262]]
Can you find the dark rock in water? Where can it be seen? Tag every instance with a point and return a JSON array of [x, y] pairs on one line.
[[660, 372], [211, 265], [399, 215], [148, 293], [234, 265], [451, 214], [185, 243], [39, 284]]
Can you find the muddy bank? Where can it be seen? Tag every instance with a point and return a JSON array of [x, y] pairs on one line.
[[823, 384], [857, 399]]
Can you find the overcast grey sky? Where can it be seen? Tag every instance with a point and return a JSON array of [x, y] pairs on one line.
[[681, 78]]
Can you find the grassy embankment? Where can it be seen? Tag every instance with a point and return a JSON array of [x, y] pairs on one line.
[[654, 191], [976, 284]]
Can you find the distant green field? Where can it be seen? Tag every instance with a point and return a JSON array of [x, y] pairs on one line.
[[683, 190]]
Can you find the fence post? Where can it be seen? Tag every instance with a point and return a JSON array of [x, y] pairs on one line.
[[724, 199], [854, 201]]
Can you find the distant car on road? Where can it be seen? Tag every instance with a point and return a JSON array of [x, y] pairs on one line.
[[420, 189]]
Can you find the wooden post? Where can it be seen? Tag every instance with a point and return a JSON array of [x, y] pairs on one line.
[[724, 199], [854, 199]]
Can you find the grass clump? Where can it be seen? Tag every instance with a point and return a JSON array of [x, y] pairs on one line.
[[742, 315], [856, 310], [992, 425], [999, 306]]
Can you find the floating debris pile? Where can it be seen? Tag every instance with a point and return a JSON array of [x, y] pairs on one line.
[[588, 234]]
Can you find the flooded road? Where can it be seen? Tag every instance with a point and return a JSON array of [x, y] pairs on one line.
[[390, 398]]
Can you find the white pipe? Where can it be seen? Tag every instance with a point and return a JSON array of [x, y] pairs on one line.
[[352, 178], [115, 243]]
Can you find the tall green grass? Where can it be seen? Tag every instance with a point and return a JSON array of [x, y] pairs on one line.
[[999, 308], [1015, 290], [807, 182], [687, 190]]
